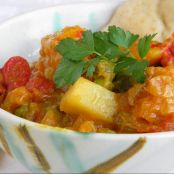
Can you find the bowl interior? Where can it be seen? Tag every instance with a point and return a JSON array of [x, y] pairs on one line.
[[22, 35]]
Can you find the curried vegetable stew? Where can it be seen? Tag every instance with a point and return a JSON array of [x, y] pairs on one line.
[[109, 82]]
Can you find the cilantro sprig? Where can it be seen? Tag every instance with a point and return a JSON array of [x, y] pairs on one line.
[[82, 56]]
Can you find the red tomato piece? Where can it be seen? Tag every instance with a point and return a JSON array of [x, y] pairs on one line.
[[40, 83], [168, 52], [16, 72]]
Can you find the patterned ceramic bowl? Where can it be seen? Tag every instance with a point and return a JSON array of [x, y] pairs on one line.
[[53, 150]]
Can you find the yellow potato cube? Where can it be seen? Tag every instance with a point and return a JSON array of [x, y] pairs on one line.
[[90, 100]]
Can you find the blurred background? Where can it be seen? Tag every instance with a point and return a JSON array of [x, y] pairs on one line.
[[9, 8]]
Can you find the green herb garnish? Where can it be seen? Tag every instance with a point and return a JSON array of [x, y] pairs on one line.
[[121, 38], [82, 56], [132, 67], [144, 45]]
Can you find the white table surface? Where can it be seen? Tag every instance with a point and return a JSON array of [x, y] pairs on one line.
[[9, 8]]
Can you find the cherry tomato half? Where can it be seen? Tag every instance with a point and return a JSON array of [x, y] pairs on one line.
[[40, 83], [16, 72]]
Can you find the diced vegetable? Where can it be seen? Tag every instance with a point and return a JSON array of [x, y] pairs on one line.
[[133, 93], [106, 130], [36, 112], [87, 126], [105, 74], [22, 111], [147, 109], [16, 72], [90, 100], [125, 123], [168, 52], [40, 83], [78, 122], [51, 118], [66, 120], [16, 98], [154, 55], [161, 86]]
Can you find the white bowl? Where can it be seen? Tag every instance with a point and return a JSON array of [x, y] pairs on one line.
[[53, 150]]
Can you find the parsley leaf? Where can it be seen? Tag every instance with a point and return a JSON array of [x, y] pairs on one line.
[[77, 50], [132, 67], [144, 45], [68, 72], [107, 49], [123, 64], [121, 38], [138, 70], [83, 55], [91, 65], [88, 40], [102, 35]]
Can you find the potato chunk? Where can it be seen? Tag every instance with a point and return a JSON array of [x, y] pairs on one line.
[[89, 100]]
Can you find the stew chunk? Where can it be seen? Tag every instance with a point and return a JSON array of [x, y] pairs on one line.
[[90, 100]]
